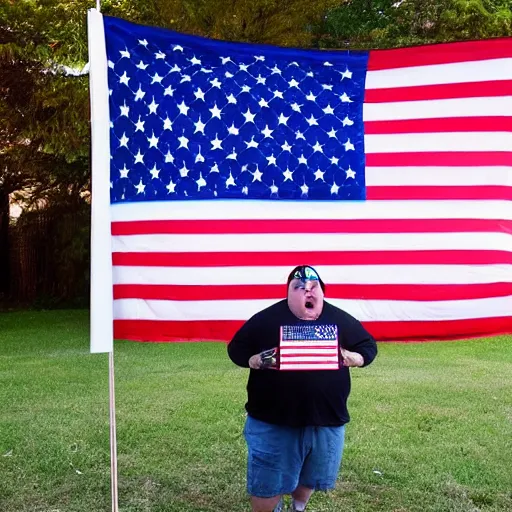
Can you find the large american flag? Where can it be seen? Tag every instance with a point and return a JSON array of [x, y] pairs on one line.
[[388, 171]]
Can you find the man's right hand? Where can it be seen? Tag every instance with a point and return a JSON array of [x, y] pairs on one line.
[[264, 360], [255, 362]]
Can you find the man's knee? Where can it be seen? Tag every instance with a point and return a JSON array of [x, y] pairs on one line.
[[302, 493], [264, 504]]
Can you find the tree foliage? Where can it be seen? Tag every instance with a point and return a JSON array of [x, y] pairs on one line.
[[391, 23], [44, 134]]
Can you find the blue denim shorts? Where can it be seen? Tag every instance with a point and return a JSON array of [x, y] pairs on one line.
[[281, 458]]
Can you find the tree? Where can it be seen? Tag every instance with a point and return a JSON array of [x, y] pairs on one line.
[[390, 23], [44, 111]]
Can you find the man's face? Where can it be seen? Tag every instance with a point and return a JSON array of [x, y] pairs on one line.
[[305, 298]]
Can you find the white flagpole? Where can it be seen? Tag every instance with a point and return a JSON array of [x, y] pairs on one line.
[[101, 241], [102, 318]]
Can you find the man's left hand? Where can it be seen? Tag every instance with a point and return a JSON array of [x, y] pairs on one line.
[[351, 359]]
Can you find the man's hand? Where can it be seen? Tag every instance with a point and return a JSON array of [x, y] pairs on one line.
[[264, 360], [255, 362], [351, 359]]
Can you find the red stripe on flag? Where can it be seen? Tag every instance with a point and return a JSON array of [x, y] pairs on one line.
[[215, 330], [443, 159], [416, 292], [290, 259], [439, 329], [444, 53], [440, 125], [491, 88], [210, 227], [293, 355], [472, 192]]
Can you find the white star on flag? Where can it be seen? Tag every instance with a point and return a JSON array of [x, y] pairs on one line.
[[200, 182], [183, 108], [184, 171], [140, 187], [152, 107], [123, 141], [349, 146], [257, 175], [139, 125], [252, 143], [156, 78], [123, 173], [199, 94], [271, 160], [155, 172], [124, 79], [153, 141], [249, 117], [267, 132], [199, 126], [215, 111], [350, 173], [171, 187], [216, 143], [319, 175], [139, 94], [183, 142], [288, 175], [346, 74], [139, 158]]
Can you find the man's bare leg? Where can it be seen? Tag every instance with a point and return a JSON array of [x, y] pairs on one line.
[[301, 497], [264, 504]]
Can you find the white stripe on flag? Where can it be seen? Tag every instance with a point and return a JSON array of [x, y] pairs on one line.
[[293, 350], [331, 274], [304, 359], [432, 142], [211, 210], [291, 345], [431, 109], [327, 366], [429, 176], [320, 242]]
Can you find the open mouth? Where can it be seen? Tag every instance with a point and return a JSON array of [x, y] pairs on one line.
[[309, 305]]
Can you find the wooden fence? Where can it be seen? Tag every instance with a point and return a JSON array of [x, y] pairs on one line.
[[49, 258]]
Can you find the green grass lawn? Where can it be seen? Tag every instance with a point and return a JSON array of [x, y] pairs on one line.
[[431, 425]]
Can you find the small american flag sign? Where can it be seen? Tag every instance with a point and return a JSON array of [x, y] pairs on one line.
[[309, 347]]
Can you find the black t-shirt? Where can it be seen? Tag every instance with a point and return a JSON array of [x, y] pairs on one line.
[[298, 398]]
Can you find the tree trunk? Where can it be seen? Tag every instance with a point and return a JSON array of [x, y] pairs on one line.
[[4, 243]]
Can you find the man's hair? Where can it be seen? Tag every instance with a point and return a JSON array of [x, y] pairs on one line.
[[301, 269]]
